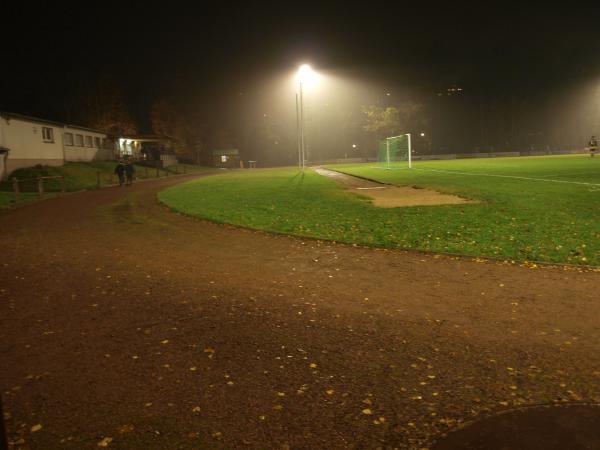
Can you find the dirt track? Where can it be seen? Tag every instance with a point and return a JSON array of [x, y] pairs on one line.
[[125, 324]]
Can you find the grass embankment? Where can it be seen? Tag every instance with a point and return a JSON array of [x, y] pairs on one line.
[[79, 176], [516, 218]]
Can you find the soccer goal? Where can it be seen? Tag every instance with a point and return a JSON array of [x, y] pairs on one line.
[[395, 149]]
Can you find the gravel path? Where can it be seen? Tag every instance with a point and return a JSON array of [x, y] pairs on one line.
[[127, 326]]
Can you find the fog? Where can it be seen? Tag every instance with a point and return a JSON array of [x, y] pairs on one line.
[[477, 116]]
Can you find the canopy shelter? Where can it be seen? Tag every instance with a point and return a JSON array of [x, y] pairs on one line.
[[156, 150]]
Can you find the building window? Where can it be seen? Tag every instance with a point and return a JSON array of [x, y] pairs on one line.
[[68, 138], [88, 141], [79, 140], [97, 142], [47, 134]]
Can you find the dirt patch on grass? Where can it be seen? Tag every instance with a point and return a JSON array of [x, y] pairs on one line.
[[388, 196], [393, 197]]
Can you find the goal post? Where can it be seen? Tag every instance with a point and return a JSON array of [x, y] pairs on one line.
[[395, 149]]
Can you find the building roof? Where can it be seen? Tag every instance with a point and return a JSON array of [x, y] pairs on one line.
[[149, 137], [226, 152], [11, 115]]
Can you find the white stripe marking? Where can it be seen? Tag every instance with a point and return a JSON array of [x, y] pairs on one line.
[[502, 176]]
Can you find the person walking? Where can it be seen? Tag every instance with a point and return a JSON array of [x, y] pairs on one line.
[[129, 171], [120, 172], [593, 146]]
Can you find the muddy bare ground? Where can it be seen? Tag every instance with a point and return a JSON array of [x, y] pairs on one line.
[[125, 325], [388, 196]]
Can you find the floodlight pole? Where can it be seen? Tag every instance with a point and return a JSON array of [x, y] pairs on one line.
[[409, 152], [302, 124], [387, 149], [298, 132]]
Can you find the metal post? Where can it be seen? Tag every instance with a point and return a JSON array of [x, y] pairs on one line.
[[409, 152], [387, 148], [302, 138], [62, 184], [16, 189], [298, 133], [40, 181]]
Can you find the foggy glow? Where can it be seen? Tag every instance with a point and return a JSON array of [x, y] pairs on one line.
[[306, 76]]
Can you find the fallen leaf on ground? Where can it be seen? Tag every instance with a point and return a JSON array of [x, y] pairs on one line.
[[125, 429], [104, 442]]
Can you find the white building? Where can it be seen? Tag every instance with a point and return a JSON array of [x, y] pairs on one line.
[[28, 141]]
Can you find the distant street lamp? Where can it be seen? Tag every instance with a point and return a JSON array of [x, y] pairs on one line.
[[306, 77], [427, 141]]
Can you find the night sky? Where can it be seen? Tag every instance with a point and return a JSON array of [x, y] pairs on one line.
[[207, 54]]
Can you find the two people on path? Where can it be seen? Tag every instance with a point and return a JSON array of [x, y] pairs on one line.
[[125, 170]]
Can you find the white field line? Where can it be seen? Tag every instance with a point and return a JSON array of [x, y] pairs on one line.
[[369, 188], [500, 176]]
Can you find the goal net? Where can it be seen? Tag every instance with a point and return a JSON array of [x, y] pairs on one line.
[[393, 150]]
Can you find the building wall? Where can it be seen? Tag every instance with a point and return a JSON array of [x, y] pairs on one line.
[[91, 146], [3, 157], [26, 144], [168, 160], [30, 143]]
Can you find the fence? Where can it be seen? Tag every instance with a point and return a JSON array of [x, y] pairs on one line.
[[39, 184], [57, 184]]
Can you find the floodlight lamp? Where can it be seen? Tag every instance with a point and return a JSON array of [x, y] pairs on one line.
[[422, 134], [306, 76]]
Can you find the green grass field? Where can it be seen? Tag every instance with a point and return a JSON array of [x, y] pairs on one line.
[[555, 220]]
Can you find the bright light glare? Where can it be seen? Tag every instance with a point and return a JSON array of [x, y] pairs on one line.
[[306, 76], [422, 134]]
